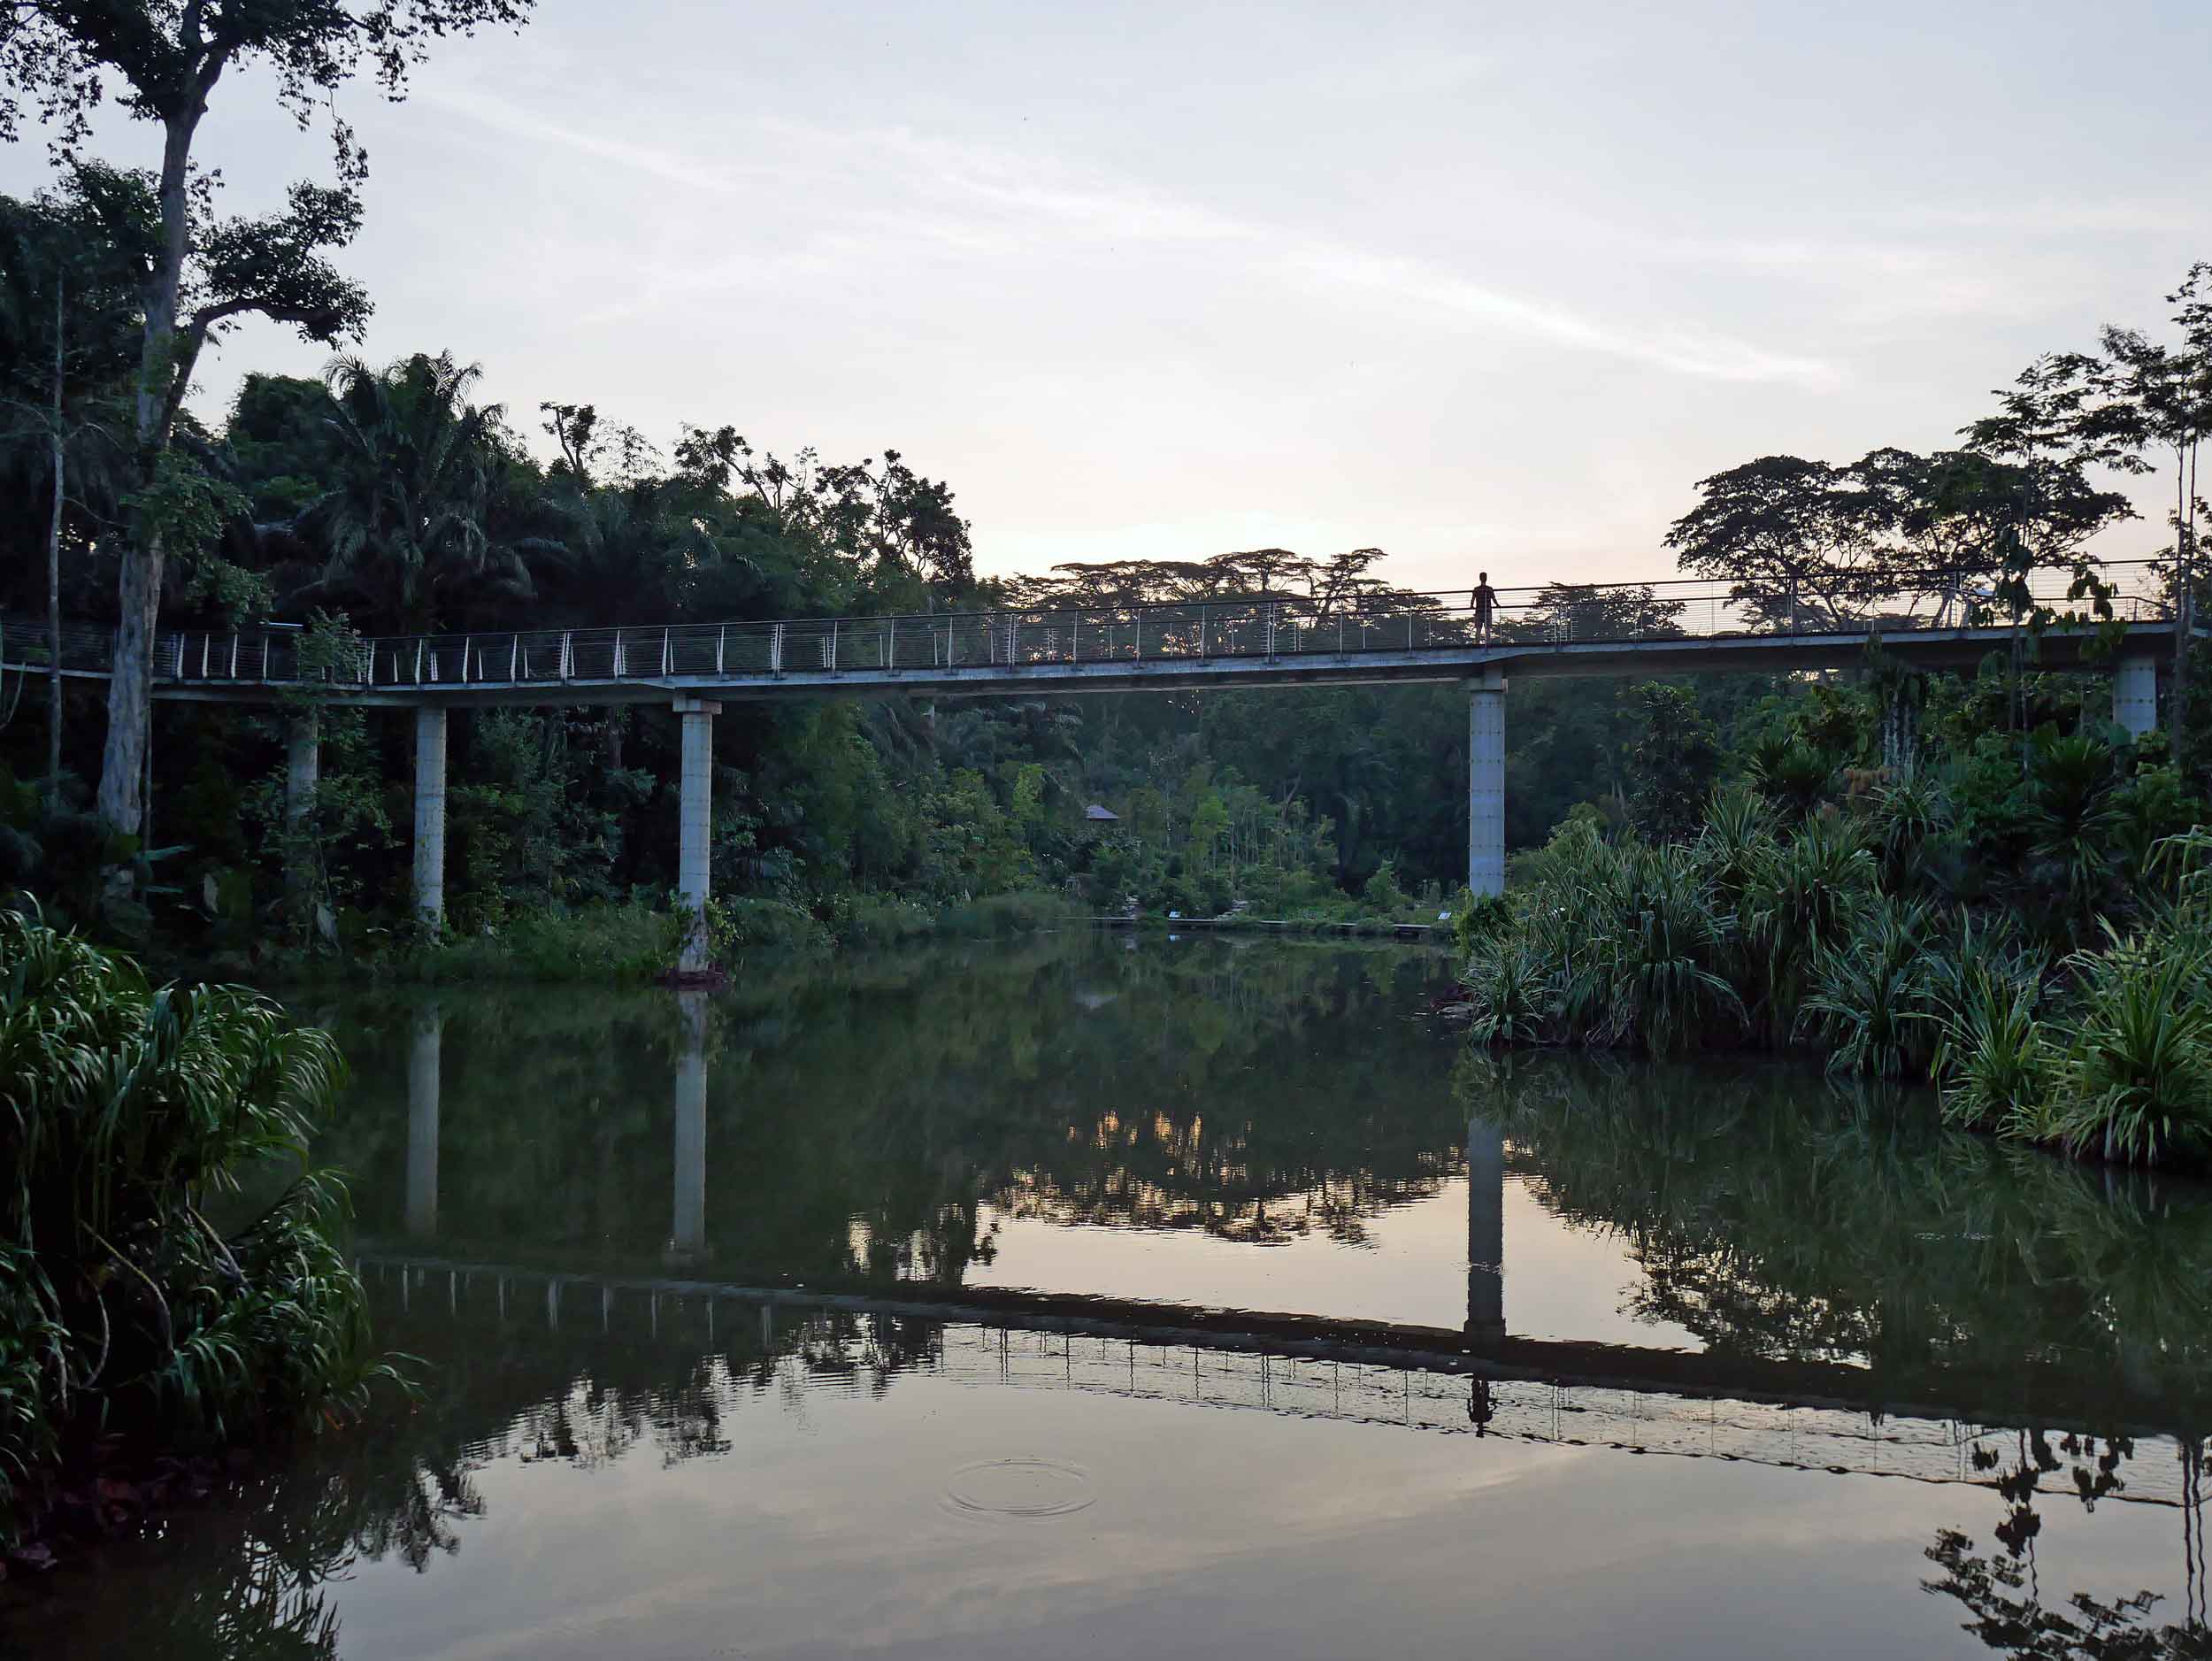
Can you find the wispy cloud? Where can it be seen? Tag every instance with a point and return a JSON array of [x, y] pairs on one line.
[[1444, 294], [990, 200]]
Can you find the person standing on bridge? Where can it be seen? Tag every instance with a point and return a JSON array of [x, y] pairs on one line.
[[1486, 602]]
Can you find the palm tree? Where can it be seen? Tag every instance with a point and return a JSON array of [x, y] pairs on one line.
[[416, 524]]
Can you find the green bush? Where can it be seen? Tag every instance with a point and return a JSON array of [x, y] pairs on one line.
[[743, 927], [142, 1292], [2133, 1082], [997, 916], [628, 941], [1873, 1000]]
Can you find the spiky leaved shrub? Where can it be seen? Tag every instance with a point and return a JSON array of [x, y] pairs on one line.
[[1871, 1002], [1512, 996], [1991, 1060], [1908, 819], [2133, 1081], [1653, 978], [1799, 903], [168, 1265]]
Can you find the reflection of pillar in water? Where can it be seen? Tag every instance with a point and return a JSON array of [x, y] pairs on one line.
[[689, 1236], [1486, 1231], [422, 1123]]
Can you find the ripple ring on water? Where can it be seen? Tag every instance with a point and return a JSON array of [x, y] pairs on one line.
[[1025, 1489]]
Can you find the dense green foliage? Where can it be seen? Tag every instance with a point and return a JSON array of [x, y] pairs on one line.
[[2024, 920], [169, 1271]]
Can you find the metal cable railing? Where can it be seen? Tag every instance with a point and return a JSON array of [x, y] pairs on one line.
[[1260, 626]]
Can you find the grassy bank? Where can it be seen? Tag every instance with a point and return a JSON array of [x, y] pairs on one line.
[[633, 943]]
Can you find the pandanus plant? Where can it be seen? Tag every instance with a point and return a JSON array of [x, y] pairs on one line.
[[168, 1260]]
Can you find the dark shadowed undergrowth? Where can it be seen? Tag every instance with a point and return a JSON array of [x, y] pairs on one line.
[[169, 1273]]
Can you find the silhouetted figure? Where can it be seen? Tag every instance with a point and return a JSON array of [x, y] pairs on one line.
[[1486, 601], [1480, 1409]]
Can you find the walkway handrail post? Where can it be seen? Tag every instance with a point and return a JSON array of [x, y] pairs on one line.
[[468, 643], [832, 665], [1274, 612], [514, 655], [721, 639], [1203, 612], [891, 646], [775, 649], [667, 655], [566, 665]]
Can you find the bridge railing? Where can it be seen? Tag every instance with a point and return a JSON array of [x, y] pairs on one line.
[[1266, 626]]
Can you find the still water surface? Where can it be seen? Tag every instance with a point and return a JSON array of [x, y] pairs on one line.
[[1101, 1295]]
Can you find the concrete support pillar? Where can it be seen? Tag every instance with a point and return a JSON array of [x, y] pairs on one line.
[[2135, 695], [1486, 784], [695, 810], [1485, 1231], [688, 1234], [424, 1062], [303, 771], [1901, 730], [430, 813]]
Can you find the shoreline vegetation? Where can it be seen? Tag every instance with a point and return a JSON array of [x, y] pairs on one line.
[[2027, 928], [171, 1279]]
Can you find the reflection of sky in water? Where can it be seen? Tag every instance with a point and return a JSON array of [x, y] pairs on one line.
[[1561, 1281], [1212, 1533]]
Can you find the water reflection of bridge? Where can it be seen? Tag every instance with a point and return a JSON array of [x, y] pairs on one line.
[[1996, 1435], [1321, 1379], [2025, 1391]]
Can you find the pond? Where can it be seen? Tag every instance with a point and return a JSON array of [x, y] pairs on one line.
[[1113, 1294]]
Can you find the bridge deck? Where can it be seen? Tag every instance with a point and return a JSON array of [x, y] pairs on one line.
[[1645, 628]]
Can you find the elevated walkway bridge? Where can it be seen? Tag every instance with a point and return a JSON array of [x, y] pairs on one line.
[[1662, 628]]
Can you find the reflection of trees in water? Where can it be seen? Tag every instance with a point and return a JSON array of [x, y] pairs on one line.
[[865, 1120], [2004, 1602], [1778, 1219], [252, 1578]]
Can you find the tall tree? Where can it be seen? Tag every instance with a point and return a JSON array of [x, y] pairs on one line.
[[2132, 400], [69, 267], [411, 524], [1799, 542], [57, 58]]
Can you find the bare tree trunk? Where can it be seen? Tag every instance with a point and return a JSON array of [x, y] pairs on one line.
[[138, 584], [2185, 584], [130, 690], [53, 571]]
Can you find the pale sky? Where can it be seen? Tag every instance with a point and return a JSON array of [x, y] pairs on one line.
[[1481, 285]]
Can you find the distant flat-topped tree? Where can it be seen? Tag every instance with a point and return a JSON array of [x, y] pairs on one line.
[[59, 62]]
